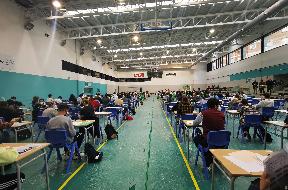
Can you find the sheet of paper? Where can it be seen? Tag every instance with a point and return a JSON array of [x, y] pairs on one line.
[[248, 161]]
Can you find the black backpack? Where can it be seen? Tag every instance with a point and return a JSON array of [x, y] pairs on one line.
[[92, 154], [109, 130]]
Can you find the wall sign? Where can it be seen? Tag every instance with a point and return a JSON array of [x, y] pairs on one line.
[[7, 63], [171, 74]]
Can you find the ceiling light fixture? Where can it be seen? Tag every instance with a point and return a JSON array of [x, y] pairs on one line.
[[94, 48], [167, 52], [115, 56], [99, 41], [56, 4], [212, 30], [141, 53], [135, 38]]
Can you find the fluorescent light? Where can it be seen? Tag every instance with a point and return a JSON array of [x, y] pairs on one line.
[[140, 53], [194, 49], [124, 67], [167, 51], [115, 56], [56, 4], [94, 48]]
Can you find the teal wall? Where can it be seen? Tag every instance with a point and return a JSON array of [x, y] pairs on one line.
[[25, 86], [267, 71]]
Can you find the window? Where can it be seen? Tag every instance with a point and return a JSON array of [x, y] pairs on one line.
[[235, 56], [252, 49], [276, 39]]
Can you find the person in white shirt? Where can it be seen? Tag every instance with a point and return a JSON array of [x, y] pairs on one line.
[[50, 111], [266, 102], [50, 98]]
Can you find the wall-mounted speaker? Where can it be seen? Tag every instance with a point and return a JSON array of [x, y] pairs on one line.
[[28, 26], [63, 43]]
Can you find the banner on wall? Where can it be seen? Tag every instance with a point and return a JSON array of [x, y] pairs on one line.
[[142, 74]]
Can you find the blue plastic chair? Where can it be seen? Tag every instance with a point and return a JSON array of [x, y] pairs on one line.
[[114, 114], [268, 112], [181, 124], [74, 113], [252, 121], [254, 101], [214, 139], [41, 123], [58, 139]]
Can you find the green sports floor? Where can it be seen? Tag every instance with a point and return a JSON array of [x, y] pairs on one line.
[[146, 156]]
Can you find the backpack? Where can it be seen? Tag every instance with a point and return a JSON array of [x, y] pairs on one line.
[[24, 134], [110, 131], [269, 138], [92, 154]]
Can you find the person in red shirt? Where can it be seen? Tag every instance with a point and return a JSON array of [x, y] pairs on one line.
[[212, 120], [95, 103]]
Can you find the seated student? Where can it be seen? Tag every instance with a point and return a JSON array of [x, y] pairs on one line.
[[118, 101], [50, 98], [105, 100], [212, 120], [87, 113], [275, 173], [61, 121], [7, 112], [94, 103], [13, 102], [266, 102], [244, 110], [58, 100], [184, 106], [50, 111], [36, 107]]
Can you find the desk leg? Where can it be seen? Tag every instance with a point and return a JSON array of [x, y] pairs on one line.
[[16, 136], [2, 170], [282, 134], [46, 170], [85, 135], [32, 132], [18, 168], [233, 126], [232, 183], [265, 137], [188, 144], [94, 132], [213, 175]]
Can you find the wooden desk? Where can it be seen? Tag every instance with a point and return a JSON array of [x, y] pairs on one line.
[[277, 124], [36, 147], [234, 114], [229, 169], [21, 126]]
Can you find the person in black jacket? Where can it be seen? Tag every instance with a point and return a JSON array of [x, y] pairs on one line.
[[87, 113]]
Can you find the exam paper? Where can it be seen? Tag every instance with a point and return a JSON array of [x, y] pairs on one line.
[[248, 161]]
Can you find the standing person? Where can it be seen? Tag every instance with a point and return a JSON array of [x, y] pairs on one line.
[[269, 84], [255, 86], [262, 87]]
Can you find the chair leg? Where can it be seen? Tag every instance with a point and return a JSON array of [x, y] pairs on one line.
[[204, 165], [71, 149], [38, 135], [59, 157], [77, 151], [197, 157]]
